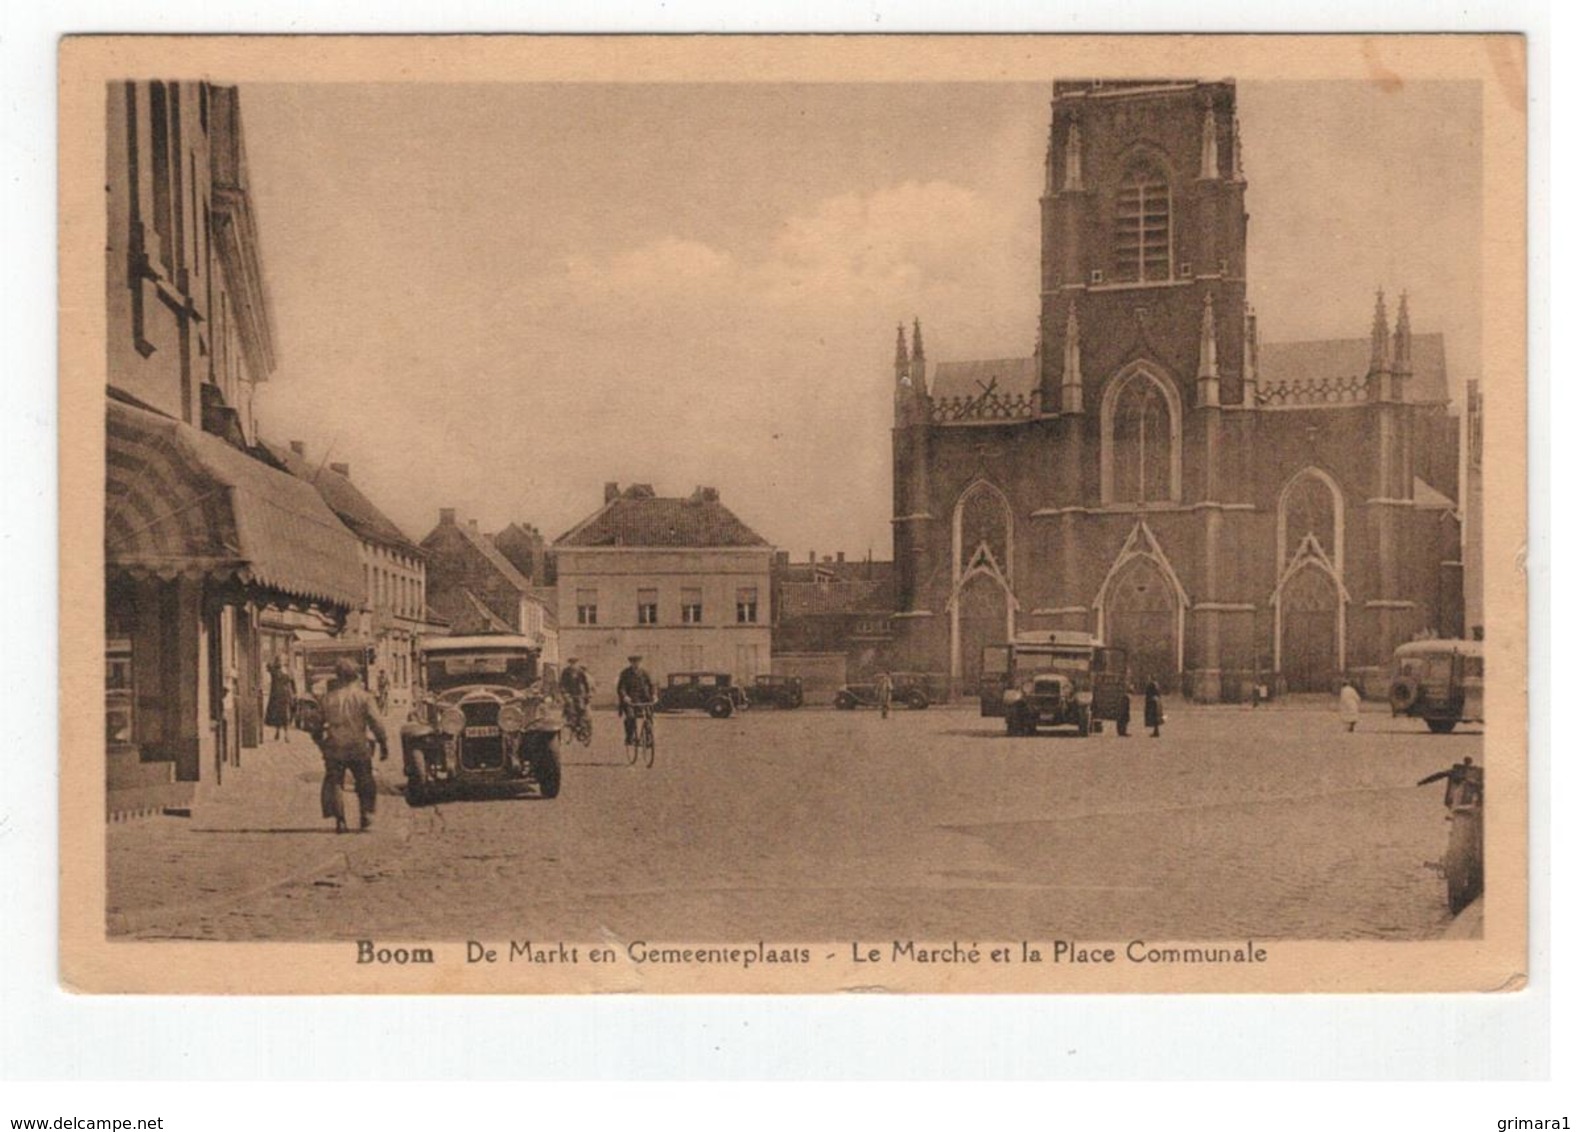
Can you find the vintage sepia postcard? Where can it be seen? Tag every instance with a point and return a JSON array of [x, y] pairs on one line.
[[793, 514]]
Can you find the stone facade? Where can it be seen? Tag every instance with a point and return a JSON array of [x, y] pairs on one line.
[[1228, 511]]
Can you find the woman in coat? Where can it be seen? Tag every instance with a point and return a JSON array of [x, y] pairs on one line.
[[282, 698], [1349, 706], [1154, 709]]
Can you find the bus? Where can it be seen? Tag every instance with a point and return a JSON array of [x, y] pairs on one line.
[[1058, 677]]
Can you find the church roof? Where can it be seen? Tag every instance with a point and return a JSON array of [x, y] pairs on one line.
[[1005, 376], [1327, 358], [638, 518]]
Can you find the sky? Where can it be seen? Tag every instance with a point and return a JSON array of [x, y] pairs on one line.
[[499, 298]]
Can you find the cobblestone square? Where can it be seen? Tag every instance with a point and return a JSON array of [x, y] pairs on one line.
[[816, 824]]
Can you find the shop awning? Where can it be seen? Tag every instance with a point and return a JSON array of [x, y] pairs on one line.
[[179, 502]]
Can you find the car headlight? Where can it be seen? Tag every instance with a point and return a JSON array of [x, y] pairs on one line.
[[1012, 696], [452, 721], [512, 718], [1083, 698]]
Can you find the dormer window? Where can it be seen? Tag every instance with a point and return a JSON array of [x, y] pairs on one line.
[[1143, 221]]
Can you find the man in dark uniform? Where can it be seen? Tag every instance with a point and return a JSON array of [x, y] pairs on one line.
[[635, 686], [346, 715]]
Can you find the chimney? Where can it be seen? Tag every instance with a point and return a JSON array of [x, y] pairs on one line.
[[840, 558], [811, 558], [471, 525], [447, 516], [299, 448], [611, 492], [341, 470]]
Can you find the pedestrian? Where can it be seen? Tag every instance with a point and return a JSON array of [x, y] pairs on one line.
[[885, 689], [1122, 724], [346, 715], [1153, 717], [383, 686], [282, 700], [634, 687], [1349, 706]]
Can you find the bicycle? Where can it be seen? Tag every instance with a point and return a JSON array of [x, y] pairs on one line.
[[641, 744], [578, 721]]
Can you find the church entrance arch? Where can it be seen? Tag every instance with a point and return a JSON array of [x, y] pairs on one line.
[[1308, 647], [984, 613], [1142, 617]]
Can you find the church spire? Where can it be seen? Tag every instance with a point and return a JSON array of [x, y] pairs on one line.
[[1401, 337], [1207, 361], [902, 371], [917, 356], [1379, 362]]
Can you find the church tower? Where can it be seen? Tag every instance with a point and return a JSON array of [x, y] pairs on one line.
[[1143, 237]]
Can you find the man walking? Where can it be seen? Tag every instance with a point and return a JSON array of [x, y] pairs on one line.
[[635, 686], [885, 688], [1349, 706], [347, 715]]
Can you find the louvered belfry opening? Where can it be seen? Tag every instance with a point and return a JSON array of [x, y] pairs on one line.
[[1141, 227]]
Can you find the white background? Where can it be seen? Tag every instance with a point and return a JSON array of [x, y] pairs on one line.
[[65, 1042]]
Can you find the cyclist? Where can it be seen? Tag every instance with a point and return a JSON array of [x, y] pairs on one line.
[[576, 687], [635, 686]]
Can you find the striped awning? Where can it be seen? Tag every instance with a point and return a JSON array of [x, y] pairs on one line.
[[179, 502]]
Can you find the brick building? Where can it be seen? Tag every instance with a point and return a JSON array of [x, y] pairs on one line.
[[1225, 509], [474, 588], [831, 619]]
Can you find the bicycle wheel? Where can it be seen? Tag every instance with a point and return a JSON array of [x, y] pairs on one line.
[[633, 747], [647, 741], [583, 730]]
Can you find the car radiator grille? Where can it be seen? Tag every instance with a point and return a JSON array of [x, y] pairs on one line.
[[482, 752]]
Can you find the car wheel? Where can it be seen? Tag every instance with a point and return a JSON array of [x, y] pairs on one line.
[[416, 792], [546, 767], [916, 700], [1441, 726], [845, 701], [721, 708]]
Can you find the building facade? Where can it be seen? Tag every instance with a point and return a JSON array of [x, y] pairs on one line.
[[474, 588], [682, 581], [832, 620], [1228, 510], [204, 536], [392, 616]]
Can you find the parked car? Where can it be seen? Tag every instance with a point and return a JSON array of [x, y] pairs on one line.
[[1438, 681], [712, 692], [910, 689], [489, 722], [776, 691]]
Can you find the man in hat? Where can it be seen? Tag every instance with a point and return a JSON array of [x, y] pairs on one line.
[[635, 686], [576, 687], [347, 714]]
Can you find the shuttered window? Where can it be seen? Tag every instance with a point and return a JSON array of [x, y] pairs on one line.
[[1142, 228]]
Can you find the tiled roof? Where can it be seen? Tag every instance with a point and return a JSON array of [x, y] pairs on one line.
[[485, 546], [1329, 358], [1005, 376], [813, 599], [635, 519], [345, 499]]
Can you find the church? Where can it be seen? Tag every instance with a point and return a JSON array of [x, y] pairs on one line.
[[1231, 512]]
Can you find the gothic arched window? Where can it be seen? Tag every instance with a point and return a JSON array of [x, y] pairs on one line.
[[1143, 223], [1142, 443], [984, 521], [1309, 510]]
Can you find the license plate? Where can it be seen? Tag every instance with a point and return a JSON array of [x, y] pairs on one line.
[[482, 732]]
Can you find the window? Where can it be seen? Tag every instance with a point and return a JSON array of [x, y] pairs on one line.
[[159, 122], [1142, 222], [647, 607], [586, 607], [1142, 440], [691, 606], [746, 605]]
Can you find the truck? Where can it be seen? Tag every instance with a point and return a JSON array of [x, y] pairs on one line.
[[1055, 678]]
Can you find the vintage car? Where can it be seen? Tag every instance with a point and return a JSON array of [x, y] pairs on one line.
[[489, 723], [318, 660], [712, 692], [910, 689], [776, 691], [1438, 681], [1055, 678]]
